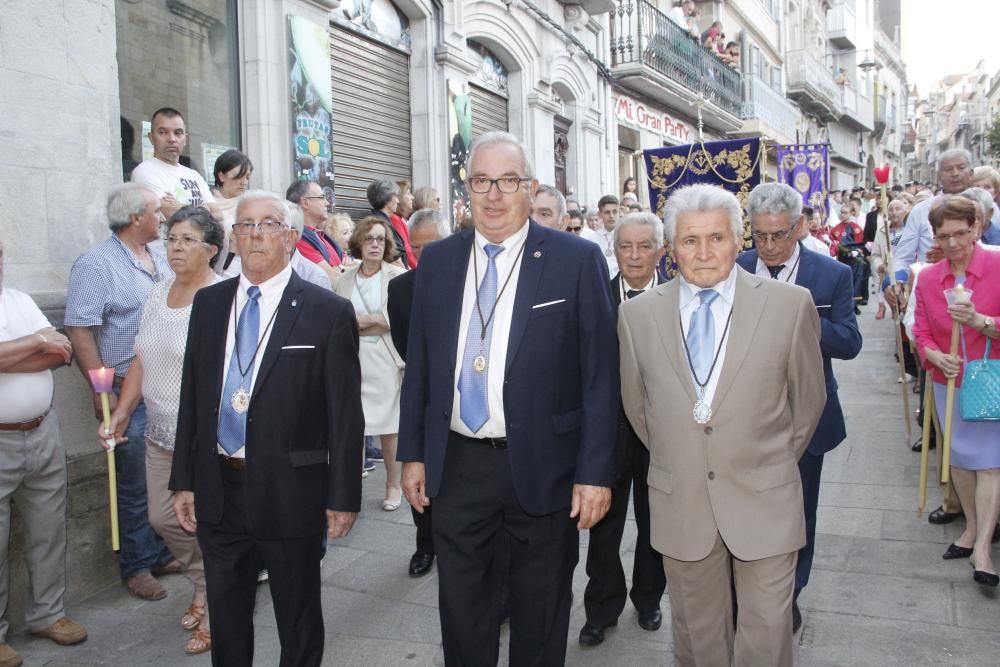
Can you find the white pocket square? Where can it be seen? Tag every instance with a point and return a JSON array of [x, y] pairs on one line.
[[299, 347], [829, 305], [548, 303]]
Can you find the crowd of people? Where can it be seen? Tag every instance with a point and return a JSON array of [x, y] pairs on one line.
[[547, 364]]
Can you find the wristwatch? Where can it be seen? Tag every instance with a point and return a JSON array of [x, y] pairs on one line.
[[988, 323]]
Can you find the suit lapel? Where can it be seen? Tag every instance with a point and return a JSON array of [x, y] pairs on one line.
[[532, 262], [748, 304], [284, 321], [667, 319], [451, 292], [805, 276], [217, 336]]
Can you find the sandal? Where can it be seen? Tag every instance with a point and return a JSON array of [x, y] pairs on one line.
[[199, 642], [192, 617]]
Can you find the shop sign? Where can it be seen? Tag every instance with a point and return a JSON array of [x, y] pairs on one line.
[[635, 113]]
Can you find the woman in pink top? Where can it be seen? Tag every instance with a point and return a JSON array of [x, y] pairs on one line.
[[975, 456]]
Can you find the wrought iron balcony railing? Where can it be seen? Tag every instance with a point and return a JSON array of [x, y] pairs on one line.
[[640, 33]]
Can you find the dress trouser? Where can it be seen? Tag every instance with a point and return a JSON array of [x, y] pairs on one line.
[[182, 544], [604, 597], [425, 540], [33, 475], [810, 470], [474, 511], [701, 605], [232, 559]]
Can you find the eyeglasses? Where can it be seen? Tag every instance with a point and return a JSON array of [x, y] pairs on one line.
[[775, 237], [505, 184], [575, 230], [266, 226], [377, 240], [184, 241], [315, 197], [957, 236]]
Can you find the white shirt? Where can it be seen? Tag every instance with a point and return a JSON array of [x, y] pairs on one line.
[[606, 241], [23, 396], [788, 273], [721, 307], [624, 287], [589, 234], [814, 244], [507, 264], [916, 239], [270, 296], [186, 185]]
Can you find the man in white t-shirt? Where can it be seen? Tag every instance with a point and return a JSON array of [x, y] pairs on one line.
[[33, 467], [175, 184]]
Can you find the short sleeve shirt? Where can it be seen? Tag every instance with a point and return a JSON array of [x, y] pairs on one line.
[[186, 185], [23, 396], [108, 287]]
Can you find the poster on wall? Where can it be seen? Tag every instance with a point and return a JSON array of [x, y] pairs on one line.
[[209, 154], [311, 100], [460, 136]]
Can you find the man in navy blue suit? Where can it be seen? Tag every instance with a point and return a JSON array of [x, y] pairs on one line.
[[509, 412], [775, 211]]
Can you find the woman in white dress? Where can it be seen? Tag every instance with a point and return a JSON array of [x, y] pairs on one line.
[[194, 241], [366, 285], [232, 171]]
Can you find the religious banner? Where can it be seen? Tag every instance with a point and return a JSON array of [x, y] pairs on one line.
[[736, 165], [806, 168], [311, 101], [460, 140]]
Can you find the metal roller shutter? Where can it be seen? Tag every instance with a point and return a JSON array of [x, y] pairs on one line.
[[371, 117], [489, 111]]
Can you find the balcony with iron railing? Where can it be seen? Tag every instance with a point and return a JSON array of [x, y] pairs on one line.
[[812, 86], [654, 57], [768, 112]]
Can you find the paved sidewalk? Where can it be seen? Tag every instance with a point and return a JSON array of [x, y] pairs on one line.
[[879, 594]]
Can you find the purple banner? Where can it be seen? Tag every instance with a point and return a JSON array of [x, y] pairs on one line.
[[806, 168]]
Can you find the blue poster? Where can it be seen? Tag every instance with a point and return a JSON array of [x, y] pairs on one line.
[[806, 168]]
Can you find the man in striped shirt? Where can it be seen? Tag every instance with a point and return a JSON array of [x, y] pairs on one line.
[[108, 287]]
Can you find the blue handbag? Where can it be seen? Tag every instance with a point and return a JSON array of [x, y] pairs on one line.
[[979, 398]]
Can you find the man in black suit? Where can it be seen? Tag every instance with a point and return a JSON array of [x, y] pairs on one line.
[[638, 243], [507, 417], [268, 437], [425, 227]]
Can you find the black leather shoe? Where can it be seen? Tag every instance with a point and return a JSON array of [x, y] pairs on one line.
[[984, 578], [420, 564], [954, 551], [592, 635], [919, 445], [939, 516], [650, 620], [796, 618]]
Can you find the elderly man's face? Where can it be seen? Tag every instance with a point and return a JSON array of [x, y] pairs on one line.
[[545, 210], [421, 236], [637, 253], [704, 247], [774, 237], [263, 255], [497, 214], [150, 219], [314, 206], [955, 174], [897, 210]]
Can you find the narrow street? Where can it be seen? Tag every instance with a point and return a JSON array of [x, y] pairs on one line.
[[880, 594]]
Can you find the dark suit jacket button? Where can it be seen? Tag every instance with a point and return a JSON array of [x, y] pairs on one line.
[[709, 430], [711, 475]]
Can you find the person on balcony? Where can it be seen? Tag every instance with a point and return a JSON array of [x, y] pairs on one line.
[[685, 14]]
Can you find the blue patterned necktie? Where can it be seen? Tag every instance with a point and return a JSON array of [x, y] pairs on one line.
[[701, 336], [233, 424], [472, 384]]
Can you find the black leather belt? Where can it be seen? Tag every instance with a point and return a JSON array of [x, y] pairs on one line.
[[232, 462], [495, 443]]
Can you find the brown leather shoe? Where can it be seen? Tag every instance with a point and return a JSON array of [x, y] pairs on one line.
[[145, 587], [65, 631], [9, 657]]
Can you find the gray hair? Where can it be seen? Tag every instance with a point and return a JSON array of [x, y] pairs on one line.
[[774, 199], [495, 138], [560, 199], [702, 198], [984, 203], [644, 220], [124, 201], [296, 219], [954, 153], [263, 195], [425, 217], [380, 192]]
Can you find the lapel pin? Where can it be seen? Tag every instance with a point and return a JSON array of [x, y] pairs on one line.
[[294, 303], [538, 253]]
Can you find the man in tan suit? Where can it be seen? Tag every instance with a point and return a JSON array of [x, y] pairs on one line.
[[722, 379]]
